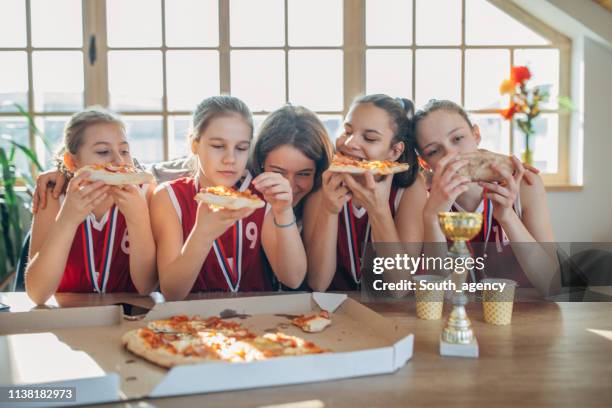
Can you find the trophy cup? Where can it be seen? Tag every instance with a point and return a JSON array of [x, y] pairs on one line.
[[457, 338]]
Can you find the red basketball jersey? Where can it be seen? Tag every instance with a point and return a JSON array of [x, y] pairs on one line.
[[353, 236], [234, 262], [108, 238], [492, 243]]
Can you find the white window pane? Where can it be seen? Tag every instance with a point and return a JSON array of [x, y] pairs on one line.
[[315, 79], [133, 23], [14, 80], [192, 23], [145, 137], [544, 67], [17, 129], [257, 23], [135, 80], [12, 23], [57, 23], [329, 22], [484, 72], [389, 22], [544, 144], [258, 78], [494, 132], [178, 132], [192, 76], [438, 22], [58, 80], [333, 124], [500, 28], [52, 127], [438, 75], [389, 72], [257, 122]]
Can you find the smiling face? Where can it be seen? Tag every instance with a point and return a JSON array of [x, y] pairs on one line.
[[223, 150], [292, 164], [444, 132], [103, 143], [368, 134]]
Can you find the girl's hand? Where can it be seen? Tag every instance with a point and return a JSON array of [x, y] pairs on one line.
[[335, 192], [81, 199], [130, 202], [45, 181], [446, 186], [371, 194], [276, 191], [530, 173], [214, 223], [503, 197]]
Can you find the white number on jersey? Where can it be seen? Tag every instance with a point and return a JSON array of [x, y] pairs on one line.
[[251, 234]]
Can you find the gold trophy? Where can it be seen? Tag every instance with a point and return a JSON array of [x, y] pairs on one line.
[[457, 337]]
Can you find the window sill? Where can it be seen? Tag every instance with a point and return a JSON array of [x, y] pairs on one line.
[[563, 187]]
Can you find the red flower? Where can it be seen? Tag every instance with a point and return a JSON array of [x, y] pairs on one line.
[[520, 74], [509, 112]]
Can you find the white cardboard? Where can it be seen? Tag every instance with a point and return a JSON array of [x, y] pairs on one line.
[[209, 377]]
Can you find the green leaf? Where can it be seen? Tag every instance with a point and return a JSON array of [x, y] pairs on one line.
[[33, 126], [28, 152], [565, 103]]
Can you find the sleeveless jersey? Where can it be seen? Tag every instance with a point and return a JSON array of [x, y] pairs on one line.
[[353, 236], [234, 262], [492, 243], [99, 258]]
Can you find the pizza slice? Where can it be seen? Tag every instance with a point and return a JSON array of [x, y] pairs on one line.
[[116, 174], [313, 323], [219, 197], [479, 163], [346, 164]]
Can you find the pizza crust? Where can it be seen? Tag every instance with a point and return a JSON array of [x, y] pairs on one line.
[[231, 203], [116, 179], [479, 163], [313, 323], [345, 164], [133, 341]]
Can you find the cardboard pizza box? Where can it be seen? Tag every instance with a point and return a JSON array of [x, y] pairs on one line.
[[81, 347]]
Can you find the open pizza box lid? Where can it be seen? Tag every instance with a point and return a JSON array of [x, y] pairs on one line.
[[81, 347]]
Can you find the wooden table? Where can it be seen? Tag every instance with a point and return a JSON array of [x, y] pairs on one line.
[[553, 354]]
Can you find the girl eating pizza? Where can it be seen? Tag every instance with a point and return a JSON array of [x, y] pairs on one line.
[[351, 210], [80, 240], [204, 249], [514, 211]]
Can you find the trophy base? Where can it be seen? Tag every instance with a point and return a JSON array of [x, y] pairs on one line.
[[459, 350]]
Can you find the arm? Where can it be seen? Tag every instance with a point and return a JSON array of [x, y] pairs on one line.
[[538, 261], [321, 230], [283, 245], [135, 209], [178, 262], [48, 256]]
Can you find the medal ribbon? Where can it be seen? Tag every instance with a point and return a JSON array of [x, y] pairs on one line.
[[99, 279], [232, 273], [351, 235]]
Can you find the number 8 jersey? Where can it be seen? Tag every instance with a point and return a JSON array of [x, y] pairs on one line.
[[234, 262]]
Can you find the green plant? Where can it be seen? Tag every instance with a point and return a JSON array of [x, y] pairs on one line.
[[14, 213]]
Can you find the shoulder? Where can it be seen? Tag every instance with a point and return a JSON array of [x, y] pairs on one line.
[[416, 190]]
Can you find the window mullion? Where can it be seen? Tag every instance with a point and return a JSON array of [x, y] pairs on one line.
[[354, 50], [96, 75], [224, 47], [166, 138]]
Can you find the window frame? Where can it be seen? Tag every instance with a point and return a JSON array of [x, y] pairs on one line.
[[354, 49]]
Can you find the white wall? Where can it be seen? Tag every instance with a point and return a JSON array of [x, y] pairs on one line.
[[587, 215], [584, 215]]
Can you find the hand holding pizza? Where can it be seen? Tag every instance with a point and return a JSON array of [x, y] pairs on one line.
[[503, 197], [81, 199], [276, 191], [335, 192], [446, 186], [130, 202], [371, 194], [213, 224]]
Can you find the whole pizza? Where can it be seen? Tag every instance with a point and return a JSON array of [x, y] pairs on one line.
[[183, 340]]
